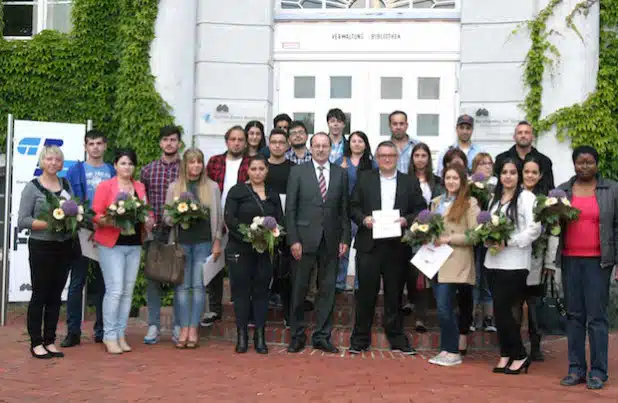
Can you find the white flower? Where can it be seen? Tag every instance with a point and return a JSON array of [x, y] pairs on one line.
[[256, 219], [193, 206], [478, 227], [113, 207], [80, 218], [80, 210], [495, 220], [479, 185], [414, 227], [565, 201], [121, 210], [58, 214], [253, 226], [183, 207], [62, 201], [276, 232], [121, 203], [176, 198], [550, 201], [423, 228], [138, 204]]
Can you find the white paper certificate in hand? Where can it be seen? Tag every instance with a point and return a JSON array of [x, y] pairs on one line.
[[430, 258], [386, 224]]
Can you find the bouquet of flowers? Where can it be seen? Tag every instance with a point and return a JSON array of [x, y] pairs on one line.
[[126, 211], [186, 210], [479, 189], [263, 234], [426, 228], [492, 229], [551, 211], [64, 215]]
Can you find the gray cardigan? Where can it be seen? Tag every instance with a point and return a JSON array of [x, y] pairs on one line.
[[31, 205], [607, 197]]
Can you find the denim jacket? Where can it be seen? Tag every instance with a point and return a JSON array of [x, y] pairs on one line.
[[607, 198]]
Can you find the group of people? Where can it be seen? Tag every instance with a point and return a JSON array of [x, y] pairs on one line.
[[324, 196]]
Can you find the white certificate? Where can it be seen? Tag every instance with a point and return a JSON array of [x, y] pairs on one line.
[[430, 258], [282, 198], [211, 268], [386, 224], [89, 248]]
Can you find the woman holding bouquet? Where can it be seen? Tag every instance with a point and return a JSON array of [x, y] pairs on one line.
[[50, 253], [250, 270], [587, 253], [460, 211], [119, 255], [508, 264], [194, 191]]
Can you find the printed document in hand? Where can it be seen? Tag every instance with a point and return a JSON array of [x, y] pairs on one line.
[[430, 258], [89, 248], [386, 224], [212, 268]]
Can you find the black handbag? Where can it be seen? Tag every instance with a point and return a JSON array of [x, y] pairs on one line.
[[165, 262], [551, 311]]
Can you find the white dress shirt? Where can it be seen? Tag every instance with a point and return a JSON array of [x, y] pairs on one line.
[[388, 189], [325, 171]]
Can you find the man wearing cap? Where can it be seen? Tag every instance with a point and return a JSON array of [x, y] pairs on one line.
[[465, 125]]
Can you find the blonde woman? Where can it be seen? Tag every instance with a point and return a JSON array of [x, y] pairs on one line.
[[460, 212], [198, 241], [50, 254]]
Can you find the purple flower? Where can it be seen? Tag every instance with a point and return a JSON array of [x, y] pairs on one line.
[[478, 177], [70, 208], [122, 196], [557, 193], [269, 223], [185, 196], [483, 217], [424, 217]]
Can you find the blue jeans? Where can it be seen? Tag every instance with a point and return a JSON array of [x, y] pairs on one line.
[[79, 273], [445, 301], [189, 297], [119, 265], [586, 291], [342, 274], [482, 295], [153, 301]]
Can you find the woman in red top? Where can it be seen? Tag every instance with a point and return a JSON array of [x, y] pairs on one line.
[[119, 255], [588, 254]]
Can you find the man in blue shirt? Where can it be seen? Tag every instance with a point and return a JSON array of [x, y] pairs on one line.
[[335, 119], [465, 125], [398, 123], [84, 178]]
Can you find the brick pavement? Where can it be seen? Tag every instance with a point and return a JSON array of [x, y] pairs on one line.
[[214, 373]]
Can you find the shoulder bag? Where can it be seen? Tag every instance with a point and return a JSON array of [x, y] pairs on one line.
[[550, 310], [165, 261]]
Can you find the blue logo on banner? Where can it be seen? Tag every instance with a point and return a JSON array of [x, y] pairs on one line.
[[30, 146]]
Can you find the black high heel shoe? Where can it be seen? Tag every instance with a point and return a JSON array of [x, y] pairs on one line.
[[54, 354], [524, 368], [45, 356], [501, 370]]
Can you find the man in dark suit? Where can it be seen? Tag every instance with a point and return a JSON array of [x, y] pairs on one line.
[[318, 231], [385, 189]]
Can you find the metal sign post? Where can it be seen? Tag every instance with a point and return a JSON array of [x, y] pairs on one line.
[[85, 289], [4, 287]]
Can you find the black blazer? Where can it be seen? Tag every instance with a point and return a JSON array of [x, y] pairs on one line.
[[366, 198], [308, 218]]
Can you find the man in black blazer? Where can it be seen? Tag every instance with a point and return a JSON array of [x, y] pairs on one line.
[[385, 189], [318, 231]]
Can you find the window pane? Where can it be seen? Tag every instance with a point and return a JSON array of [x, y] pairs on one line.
[[427, 124], [341, 87], [348, 123], [308, 118], [385, 129], [391, 87], [304, 87], [429, 88], [18, 20], [301, 4], [59, 17]]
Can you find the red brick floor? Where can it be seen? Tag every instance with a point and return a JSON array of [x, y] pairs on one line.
[[214, 373]]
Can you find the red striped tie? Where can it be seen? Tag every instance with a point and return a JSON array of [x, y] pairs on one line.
[[322, 183]]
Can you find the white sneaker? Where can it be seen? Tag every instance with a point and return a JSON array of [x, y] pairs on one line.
[[446, 360], [175, 334], [152, 337], [433, 359]]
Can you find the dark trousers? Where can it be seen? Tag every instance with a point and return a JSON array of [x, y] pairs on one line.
[[79, 275], [465, 303], [388, 261], [420, 298], [214, 290], [586, 290], [532, 298], [327, 266], [49, 269], [250, 275], [508, 288]]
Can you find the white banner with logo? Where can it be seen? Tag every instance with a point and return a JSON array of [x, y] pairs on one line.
[[28, 141]]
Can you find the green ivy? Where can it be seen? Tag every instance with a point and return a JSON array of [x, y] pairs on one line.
[[99, 71]]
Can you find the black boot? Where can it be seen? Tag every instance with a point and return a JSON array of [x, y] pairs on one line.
[[259, 341], [535, 349], [71, 340], [242, 340]]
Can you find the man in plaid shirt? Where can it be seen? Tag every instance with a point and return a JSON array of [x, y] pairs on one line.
[[157, 177], [227, 170], [298, 152]]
